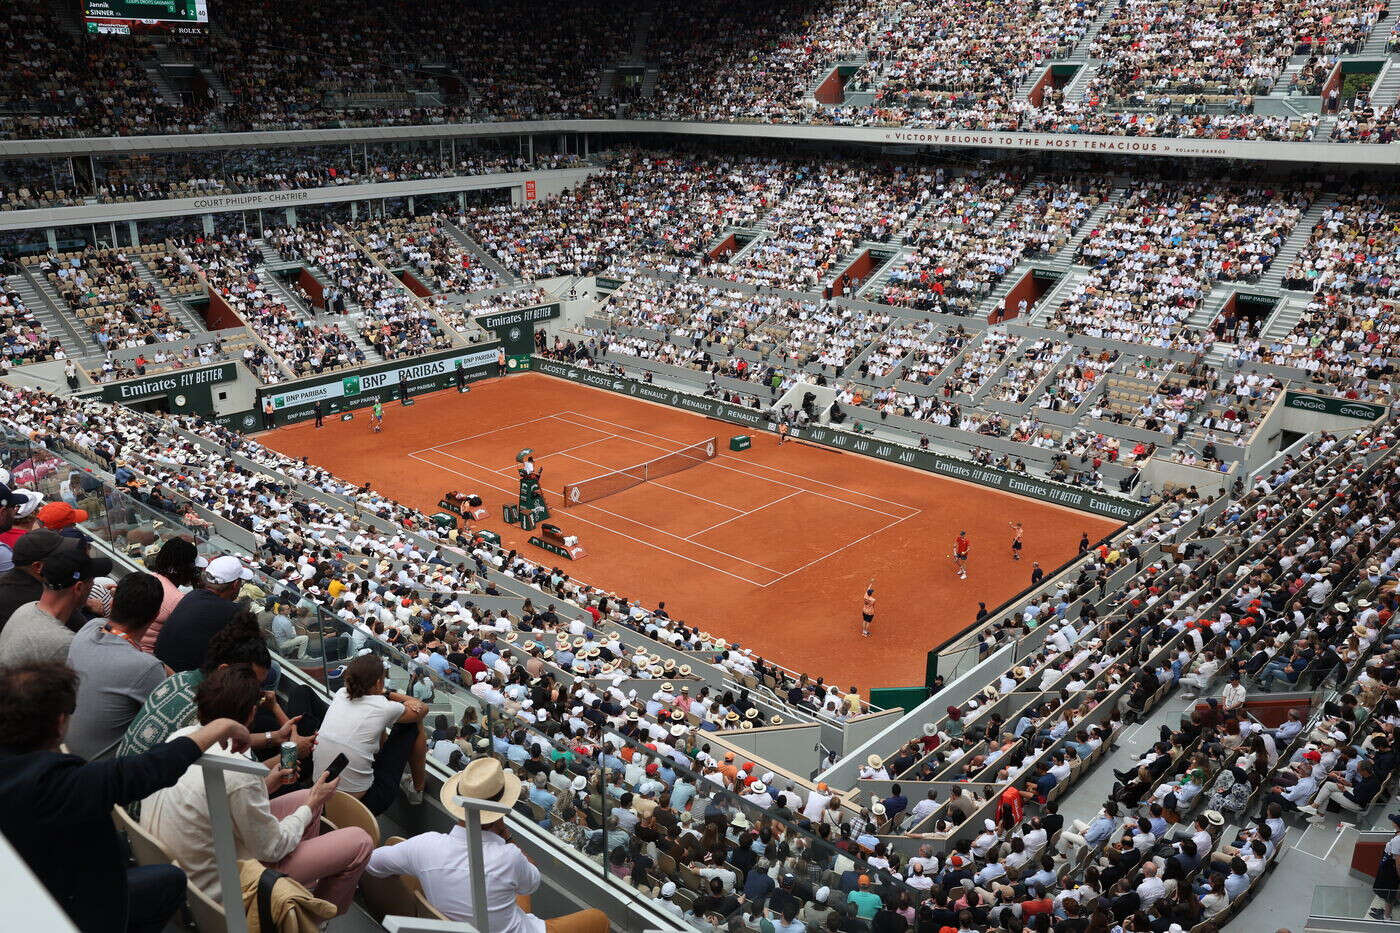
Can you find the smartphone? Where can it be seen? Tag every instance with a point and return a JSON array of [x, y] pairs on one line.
[[336, 766]]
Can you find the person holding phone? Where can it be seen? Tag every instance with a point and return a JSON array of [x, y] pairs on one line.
[[282, 833], [354, 725]]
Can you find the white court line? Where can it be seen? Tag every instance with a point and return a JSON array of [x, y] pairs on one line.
[[843, 547], [693, 535], [634, 521], [755, 463], [766, 479], [576, 517], [472, 437]]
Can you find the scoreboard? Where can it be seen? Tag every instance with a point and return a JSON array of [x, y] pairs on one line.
[[123, 17]]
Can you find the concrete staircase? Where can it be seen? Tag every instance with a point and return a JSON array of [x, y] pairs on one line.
[[77, 344], [1297, 239], [216, 83], [177, 308], [1045, 307], [649, 79], [482, 254], [1285, 80], [1325, 124], [607, 80], [1079, 84], [1386, 91], [1380, 35], [275, 286], [875, 287], [162, 84], [1209, 309], [88, 344], [1290, 309], [1080, 53]]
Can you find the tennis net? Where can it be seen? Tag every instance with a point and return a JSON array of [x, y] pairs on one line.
[[616, 481]]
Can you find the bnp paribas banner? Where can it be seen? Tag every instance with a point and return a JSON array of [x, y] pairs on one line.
[[1115, 507], [349, 390]]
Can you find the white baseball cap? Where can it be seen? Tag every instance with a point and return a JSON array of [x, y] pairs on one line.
[[226, 569]]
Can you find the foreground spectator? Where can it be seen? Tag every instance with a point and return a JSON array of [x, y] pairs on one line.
[[23, 583], [37, 631], [442, 861], [50, 796], [284, 834], [114, 675]]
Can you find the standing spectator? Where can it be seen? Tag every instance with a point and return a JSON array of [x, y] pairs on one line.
[[50, 796], [36, 631], [354, 725], [442, 861], [201, 613], [284, 834], [114, 675]]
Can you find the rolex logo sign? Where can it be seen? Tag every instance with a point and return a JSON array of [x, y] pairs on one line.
[[350, 385]]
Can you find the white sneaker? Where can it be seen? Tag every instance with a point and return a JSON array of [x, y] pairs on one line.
[[414, 795]]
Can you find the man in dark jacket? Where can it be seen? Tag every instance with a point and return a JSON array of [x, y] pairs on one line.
[[58, 808]]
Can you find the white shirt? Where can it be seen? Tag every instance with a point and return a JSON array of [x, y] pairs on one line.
[[442, 864], [1150, 890], [356, 728], [179, 817]]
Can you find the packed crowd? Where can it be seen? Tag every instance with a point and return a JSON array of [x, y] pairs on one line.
[[424, 244], [105, 291], [1153, 259], [390, 318], [304, 346]]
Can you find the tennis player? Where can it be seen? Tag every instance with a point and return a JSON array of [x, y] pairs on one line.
[[1016, 540], [960, 549], [783, 429], [867, 608], [376, 418]]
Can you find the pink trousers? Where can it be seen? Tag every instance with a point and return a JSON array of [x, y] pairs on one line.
[[329, 866]]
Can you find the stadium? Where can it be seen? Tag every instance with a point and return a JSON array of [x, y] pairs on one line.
[[820, 466]]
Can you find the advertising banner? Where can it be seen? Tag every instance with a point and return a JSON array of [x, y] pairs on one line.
[[1327, 405]]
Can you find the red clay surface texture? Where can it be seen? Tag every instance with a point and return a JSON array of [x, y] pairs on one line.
[[771, 547]]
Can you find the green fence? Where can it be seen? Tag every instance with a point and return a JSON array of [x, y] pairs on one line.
[[381, 383], [1085, 500]]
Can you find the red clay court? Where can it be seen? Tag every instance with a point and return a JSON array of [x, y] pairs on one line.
[[771, 547]]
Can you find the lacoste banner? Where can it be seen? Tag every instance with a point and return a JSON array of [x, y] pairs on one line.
[[1327, 405], [1115, 507], [378, 384]]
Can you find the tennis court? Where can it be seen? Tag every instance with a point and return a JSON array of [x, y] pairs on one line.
[[771, 547]]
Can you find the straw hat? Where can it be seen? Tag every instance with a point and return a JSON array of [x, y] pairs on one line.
[[874, 761], [483, 779]]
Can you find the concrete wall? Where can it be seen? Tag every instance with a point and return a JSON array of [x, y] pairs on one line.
[[793, 747]]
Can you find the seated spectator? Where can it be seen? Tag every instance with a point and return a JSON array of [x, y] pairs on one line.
[[177, 566], [38, 631], [354, 725], [171, 707], [284, 834], [442, 861], [184, 639], [114, 675], [50, 796]]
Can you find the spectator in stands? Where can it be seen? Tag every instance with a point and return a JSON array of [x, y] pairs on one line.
[[115, 676], [23, 582], [284, 834], [171, 706], [354, 725], [177, 566], [442, 861], [201, 613], [38, 631], [58, 808]]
